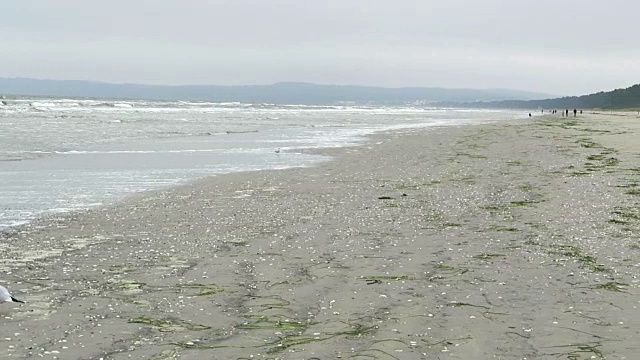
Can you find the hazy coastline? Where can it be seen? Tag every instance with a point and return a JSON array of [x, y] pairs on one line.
[[59, 155]]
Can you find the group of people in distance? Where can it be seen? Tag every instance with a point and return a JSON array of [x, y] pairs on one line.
[[566, 112]]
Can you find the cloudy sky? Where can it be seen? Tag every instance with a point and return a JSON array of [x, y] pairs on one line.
[[563, 47]]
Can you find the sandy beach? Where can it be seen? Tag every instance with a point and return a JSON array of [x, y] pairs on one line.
[[495, 241]]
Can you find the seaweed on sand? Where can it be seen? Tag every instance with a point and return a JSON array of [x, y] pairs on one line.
[[168, 325], [355, 330]]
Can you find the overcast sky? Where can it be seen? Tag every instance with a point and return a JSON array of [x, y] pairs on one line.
[[564, 47]]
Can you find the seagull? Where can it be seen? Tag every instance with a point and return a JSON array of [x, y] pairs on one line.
[[5, 296]]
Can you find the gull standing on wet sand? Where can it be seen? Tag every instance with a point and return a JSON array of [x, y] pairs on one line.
[[5, 296]]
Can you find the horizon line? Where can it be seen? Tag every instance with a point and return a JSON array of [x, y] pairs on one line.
[[275, 83]]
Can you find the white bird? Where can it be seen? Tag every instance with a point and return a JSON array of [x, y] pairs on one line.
[[5, 296]]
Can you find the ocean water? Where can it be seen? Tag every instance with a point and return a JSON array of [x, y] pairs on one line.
[[60, 155]]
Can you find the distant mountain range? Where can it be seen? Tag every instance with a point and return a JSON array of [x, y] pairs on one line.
[[279, 93], [307, 93]]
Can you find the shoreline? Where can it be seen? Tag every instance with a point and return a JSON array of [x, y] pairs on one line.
[[497, 240], [324, 154]]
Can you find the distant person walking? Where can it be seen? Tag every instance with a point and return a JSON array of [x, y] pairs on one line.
[[575, 112], [566, 111]]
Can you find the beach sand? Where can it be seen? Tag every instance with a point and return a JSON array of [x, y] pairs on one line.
[[495, 241]]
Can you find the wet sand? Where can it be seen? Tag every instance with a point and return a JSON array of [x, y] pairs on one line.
[[505, 241]]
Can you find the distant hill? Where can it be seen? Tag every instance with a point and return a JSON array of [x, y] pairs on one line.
[[628, 98], [279, 93]]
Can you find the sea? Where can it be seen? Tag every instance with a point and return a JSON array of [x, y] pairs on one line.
[[61, 155]]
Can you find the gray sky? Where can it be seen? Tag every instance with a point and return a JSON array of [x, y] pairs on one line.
[[564, 47]]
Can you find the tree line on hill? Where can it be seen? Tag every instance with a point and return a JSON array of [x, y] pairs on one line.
[[628, 98]]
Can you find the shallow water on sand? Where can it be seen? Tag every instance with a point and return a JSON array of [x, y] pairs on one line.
[[59, 155]]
